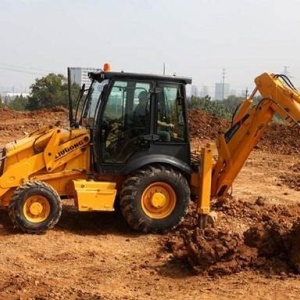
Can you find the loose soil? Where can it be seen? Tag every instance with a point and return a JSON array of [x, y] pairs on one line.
[[251, 252]]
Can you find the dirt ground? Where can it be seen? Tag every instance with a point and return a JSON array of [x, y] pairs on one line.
[[97, 256]]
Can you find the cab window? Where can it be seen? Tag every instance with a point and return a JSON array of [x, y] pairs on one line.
[[171, 122], [124, 121]]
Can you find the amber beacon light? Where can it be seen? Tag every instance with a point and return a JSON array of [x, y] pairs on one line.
[[106, 67]]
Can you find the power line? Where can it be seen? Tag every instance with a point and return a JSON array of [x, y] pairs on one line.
[[21, 71]]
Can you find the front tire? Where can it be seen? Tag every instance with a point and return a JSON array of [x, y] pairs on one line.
[[155, 199], [35, 207]]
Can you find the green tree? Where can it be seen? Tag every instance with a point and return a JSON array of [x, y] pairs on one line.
[[19, 103], [49, 92], [232, 102], [196, 102], [212, 107]]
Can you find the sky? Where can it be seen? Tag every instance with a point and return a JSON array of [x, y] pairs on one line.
[[201, 39]]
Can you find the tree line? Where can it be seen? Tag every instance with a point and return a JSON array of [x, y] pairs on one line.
[[52, 91], [47, 92], [221, 108]]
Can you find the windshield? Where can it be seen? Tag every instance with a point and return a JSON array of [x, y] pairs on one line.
[[92, 102]]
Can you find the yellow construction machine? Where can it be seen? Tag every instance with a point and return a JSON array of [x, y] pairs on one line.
[[128, 145]]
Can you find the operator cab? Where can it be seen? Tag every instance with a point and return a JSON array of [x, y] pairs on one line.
[[137, 119]]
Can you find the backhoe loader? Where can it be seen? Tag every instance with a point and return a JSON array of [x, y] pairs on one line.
[[113, 155]]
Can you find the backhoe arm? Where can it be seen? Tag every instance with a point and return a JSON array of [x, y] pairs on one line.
[[249, 124]]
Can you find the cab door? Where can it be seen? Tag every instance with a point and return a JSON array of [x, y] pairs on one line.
[[121, 135]]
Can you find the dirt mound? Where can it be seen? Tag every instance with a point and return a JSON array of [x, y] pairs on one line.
[[279, 138], [204, 125], [292, 179], [213, 251], [260, 236], [270, 240], [15, 124]]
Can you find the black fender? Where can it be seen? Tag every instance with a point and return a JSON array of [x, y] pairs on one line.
[[142, 161]]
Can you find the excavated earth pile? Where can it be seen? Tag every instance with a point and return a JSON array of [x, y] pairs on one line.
[[278, 138], [205, 126], [270, 241], [267, 236], [292, 180], [282, 139], [16, 123]]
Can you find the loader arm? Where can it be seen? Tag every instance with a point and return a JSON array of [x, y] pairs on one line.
[[44, 154], [249, 124]]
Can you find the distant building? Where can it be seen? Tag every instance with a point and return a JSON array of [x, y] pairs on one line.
[[194, 91], [80, 75], [14, 95], [222, 91], [6, 97], [204, 91]]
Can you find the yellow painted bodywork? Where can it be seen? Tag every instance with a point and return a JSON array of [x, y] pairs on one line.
[[50, 154], [204, 176], [92, 195], [61, 158]]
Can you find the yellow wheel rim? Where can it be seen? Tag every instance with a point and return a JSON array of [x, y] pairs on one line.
[[36, 208], [158, 200]]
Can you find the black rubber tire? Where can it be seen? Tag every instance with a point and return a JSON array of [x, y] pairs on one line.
[[131, 198], [17, 204]]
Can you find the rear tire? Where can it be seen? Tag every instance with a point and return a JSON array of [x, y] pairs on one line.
[[35, 207], [155, 199]]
